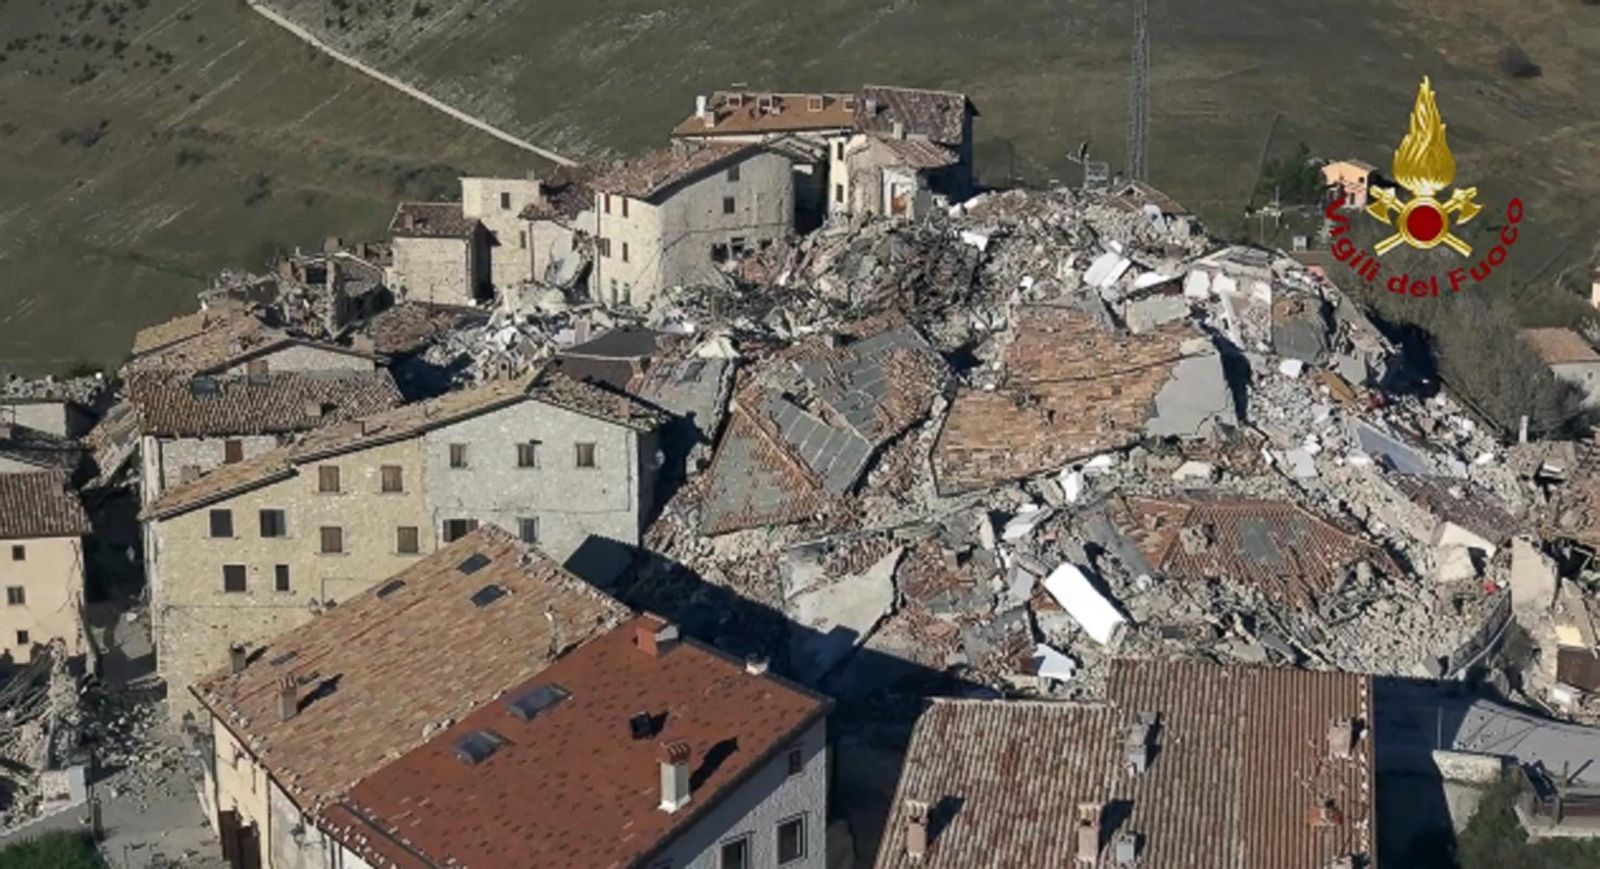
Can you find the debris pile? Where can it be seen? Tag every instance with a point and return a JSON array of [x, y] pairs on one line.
[[40, 729]]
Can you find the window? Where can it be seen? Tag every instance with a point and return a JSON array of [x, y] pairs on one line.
[[608, 203], [16, 595], [838, 150], [727, 205], [733, 173], [719, 253], [528, 455], [406, 540], [505, 200], [605, 246], [585, 455], [528, 529], [332, 539], [624, 206], [458, 455], [737, 246], [274, 523], [791, 840], [23, 639], [391, 478], [328, 478], [797, 761], [280, 577], [624, 251], [19, 553], [221, 523], [233, 578], [735, 854], [814, 102], [232, 452], [188, 473], [838, 193], [455, 529]]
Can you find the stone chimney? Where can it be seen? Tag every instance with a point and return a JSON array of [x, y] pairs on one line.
[[288, 698], [674, 758], [1086, 837], [916, 829], [237, 658], [1594, 291], [899, 129], [1341, 737], [655, 637], [703, 111], [332, 244]]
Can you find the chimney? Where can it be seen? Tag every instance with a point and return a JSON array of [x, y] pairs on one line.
[[330, 275], [408, 220], [1341, 737], [702, 111], [313, 409], [656, 637], [674, 757], [237, 658], [899, 129], [286, 269], [1136, 747], [872, 105], [288, 699], [1087, 841], [916, 829], [332, 244], [1594, 292], [755, 665]]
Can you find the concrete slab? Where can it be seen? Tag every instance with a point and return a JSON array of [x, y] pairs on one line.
[[1194, 400], [838, 617], [1533, 581]]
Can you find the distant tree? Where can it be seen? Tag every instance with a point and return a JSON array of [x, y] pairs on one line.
[[1516, 63], [1296, 180]]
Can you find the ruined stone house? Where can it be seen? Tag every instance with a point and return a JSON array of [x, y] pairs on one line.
[[441, 256], [1348, 178], [256, 547], [559, 223], [672, 217], [42, 526], [1569, 356]]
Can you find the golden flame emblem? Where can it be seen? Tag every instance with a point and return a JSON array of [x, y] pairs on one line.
[[1424, 166]]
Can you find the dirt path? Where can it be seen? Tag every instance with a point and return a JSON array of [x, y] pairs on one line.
[[306, 36]]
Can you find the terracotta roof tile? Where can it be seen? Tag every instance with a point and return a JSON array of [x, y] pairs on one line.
[[921, 153], [411, 325], [754, 481], [649, 175], [743, 113], [1241, 757], [280, 403], [431, 220], [228, 342], [1560, 346], [1287, 552], [40, 504], [938, 115], [1073, 388], [42, 450], [417, 652], [162, 335], [597, 787]]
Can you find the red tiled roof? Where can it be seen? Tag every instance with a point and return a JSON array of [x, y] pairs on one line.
[[646, 176], [769, 113], [1560, 346], [938, 115], [1280, 547], [227, 342], [921, 153], [182, 328], [431, 220], [279, 403], [1073, 388], [383, 667], [572, 788], [1241, 757], [40, 504]]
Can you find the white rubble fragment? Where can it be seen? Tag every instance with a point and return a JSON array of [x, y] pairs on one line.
[[1107, 269], [1291, 367], [975, 239], [1197, 285], [1301, 464], [1483, 459], [986, 530], [1152, 279], [1071, 480], [1358, 459], [1027, 519], [1100, 464], [1454, 564], [1051, 664], [717, 347], [1096, 615], [1194, 470], [841, 616]]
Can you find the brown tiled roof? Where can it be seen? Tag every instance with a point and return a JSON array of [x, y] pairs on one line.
[[40, 504], [161, 335], [229, 342], [754, 481], [547, 385], [280, 403], [1241, 761], [921, 153], [1281, 548], [431, 220], [411, 325], [646, 176], [1073, 388], [375, 674], [1560, 346], [566, 194], [597, 788], [793, 114], [1463, 502], [938, 115], [39, 449]]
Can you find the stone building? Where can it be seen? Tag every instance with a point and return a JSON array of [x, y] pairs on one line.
[[497, 204], [671, 217], [514, 672], [42, 524], [1350, 179], [895, 176], [559, 223], [441, 256], [60, 417], [256, 547], [1570, 357]]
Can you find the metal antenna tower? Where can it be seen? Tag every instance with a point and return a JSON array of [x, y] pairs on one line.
[[1139, 114]]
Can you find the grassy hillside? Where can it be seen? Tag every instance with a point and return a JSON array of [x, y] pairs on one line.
[[145, 144]]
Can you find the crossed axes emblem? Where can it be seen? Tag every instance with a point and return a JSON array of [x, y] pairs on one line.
[[1429, 229]]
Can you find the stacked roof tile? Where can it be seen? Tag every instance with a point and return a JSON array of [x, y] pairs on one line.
[[571, 787], [411, 325], [374, 677], [40, 504], [564, 194], [277, 403], [431, 220], [646, 176], [166, 334], [1243, 775]]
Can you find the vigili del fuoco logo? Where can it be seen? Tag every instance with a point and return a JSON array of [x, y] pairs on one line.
[[1424, 167]]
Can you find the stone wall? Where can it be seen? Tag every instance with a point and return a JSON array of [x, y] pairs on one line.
[[301, 357], [497, 204], [164, 459], [438, 270]]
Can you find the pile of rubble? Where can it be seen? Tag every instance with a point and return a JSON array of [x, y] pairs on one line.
[[40, 729]]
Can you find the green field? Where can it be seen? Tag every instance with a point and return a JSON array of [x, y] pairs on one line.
[[145, 144], [94, 240]]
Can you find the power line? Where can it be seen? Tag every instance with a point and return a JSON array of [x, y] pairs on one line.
[[1139, 109]]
